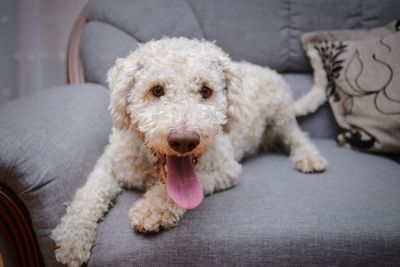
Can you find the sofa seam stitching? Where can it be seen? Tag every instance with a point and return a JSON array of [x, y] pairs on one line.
[[114, 25], [289, 35], [361, 15], [197, 19]]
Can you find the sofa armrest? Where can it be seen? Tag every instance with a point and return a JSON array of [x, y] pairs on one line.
[[49, 142]]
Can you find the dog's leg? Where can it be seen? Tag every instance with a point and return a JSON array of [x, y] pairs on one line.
[[219, 176], [155, 211], [305, 155], [75, 235], [217, 180]]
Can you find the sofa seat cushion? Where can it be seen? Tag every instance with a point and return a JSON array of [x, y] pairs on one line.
[[347, 215]]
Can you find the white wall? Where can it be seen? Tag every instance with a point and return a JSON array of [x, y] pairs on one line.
[[33, 44]]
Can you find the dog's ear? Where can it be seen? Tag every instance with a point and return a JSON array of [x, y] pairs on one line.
[[120, 80], [233, 86]]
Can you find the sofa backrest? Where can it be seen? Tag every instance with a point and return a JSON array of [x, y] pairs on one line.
[[265, 32]]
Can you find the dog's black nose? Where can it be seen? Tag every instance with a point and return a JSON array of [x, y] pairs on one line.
[[183, 141]]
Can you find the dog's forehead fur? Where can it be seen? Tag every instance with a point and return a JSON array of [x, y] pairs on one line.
[[179, 50], [179, 65]]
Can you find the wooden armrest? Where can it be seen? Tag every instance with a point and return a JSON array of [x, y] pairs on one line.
[[16, 227]]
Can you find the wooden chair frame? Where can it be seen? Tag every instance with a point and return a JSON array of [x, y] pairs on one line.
[[75, 74]]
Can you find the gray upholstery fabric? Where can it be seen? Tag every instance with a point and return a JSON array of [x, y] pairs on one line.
[[97, 61], [244, 30], [265, 32], [146, 20], [348, 215], [49, 143]]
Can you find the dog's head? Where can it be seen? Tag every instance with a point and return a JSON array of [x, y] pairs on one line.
[[177, 95]]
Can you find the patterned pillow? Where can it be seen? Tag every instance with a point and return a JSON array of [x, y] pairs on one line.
[[359, 73]]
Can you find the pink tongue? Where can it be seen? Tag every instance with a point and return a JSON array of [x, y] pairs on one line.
[[182, 184]]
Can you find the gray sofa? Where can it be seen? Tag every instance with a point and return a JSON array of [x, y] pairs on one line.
[[348, 215]]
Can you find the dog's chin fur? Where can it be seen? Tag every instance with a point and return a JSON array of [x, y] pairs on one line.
[[246, 100]]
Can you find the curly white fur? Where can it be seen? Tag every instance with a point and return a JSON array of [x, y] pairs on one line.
[[309, 102], [249, 104]]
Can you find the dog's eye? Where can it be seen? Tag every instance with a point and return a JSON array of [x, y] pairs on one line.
[[205, 92], [158, 91]]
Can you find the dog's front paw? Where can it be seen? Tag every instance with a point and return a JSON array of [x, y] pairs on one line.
[[147, 219], [225, 183], [73, 244], [310, 163]]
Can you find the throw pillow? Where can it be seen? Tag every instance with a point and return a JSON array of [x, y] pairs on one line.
[[358, 71]]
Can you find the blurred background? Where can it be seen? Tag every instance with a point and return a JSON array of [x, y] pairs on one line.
[[33, 44]]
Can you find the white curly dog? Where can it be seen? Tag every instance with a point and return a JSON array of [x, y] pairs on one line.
[[184, 116]]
